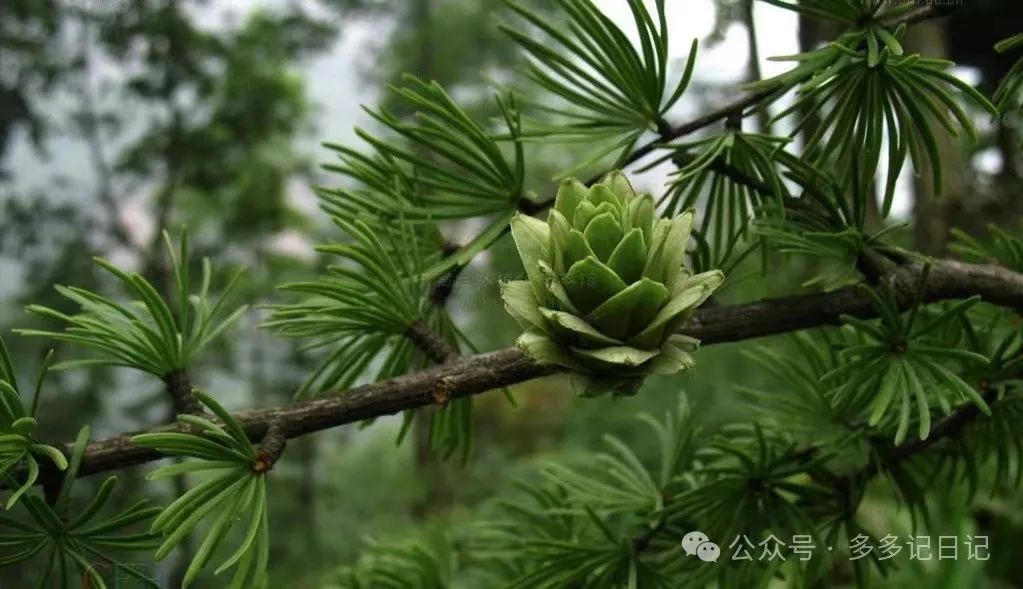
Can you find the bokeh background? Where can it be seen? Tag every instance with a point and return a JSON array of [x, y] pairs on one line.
[[122, 117]]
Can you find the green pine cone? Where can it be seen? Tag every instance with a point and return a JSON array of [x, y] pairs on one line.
[[606, 292]]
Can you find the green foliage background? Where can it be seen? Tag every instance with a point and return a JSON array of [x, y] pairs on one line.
[[222, 113]]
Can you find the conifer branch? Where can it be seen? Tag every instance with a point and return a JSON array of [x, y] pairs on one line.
[[737, 110], [732, 113], [471, 375], [949, 427]]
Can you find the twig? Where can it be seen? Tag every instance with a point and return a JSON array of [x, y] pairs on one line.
[[949, 427], [271, 448]]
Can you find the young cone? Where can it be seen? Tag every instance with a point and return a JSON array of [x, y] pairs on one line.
[[606, 291]]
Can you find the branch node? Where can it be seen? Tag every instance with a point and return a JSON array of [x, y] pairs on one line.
[[442, 390], [270, 449], [733, 122]]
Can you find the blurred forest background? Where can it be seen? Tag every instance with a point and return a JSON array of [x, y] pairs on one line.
[[121, 117]]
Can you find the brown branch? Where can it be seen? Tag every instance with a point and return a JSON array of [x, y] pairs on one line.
[[731, 110], [948, 280], [472, 375], [466, 376]]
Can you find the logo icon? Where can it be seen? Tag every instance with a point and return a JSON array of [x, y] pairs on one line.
[[698, 543], [708, 552]]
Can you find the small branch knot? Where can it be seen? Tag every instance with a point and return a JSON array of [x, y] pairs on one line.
[[442, 390], [179, 387], [270, 449]]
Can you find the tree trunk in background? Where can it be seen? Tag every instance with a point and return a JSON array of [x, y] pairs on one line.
[[934, 211], [157, 268], [429, 468], [753, 72]]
